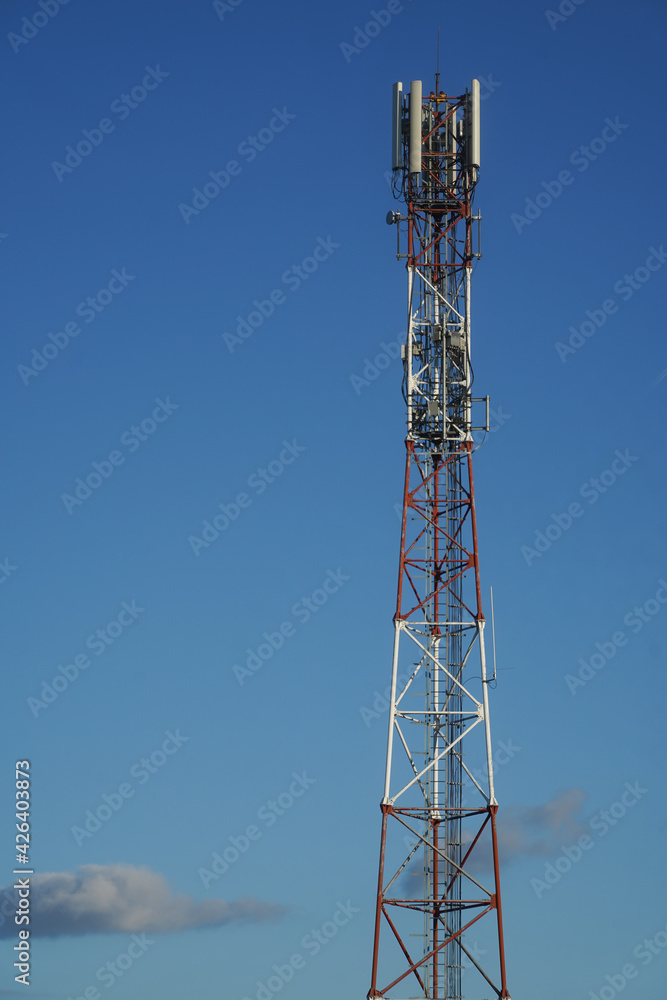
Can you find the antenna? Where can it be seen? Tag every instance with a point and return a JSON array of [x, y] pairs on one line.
[[415, 148], [493, 635], [396, 125], [437, 66]]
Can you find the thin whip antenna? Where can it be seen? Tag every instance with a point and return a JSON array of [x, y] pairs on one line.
[[493, 635], [437, 66]]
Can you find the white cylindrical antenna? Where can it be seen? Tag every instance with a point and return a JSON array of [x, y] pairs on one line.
[[451, 162], [396, 125], [473, 132], [416, 127]]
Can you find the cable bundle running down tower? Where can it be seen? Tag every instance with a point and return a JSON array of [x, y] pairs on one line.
[[438, 871]]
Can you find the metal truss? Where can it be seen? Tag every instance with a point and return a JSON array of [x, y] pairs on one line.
[[438, 873]]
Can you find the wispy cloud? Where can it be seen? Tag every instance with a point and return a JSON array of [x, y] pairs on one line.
[[523, 831], [104, 899], [539, 831]]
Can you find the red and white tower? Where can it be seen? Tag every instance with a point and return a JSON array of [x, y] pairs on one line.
[[438, 871]]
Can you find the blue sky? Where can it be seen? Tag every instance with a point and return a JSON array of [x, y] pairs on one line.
[[275, 434]]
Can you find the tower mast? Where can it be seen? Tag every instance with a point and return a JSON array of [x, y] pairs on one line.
[[438, 872]]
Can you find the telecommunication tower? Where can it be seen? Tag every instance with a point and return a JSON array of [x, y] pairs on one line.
[[438, 873]]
